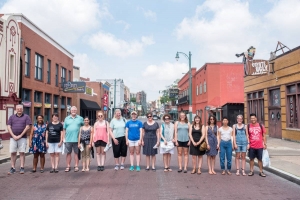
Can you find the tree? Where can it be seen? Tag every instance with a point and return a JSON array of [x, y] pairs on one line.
[[133, 100]]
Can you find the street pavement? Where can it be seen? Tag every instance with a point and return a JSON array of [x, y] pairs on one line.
[[123, 184]]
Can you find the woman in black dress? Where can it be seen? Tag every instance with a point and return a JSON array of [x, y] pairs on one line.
[[197, 136], [150, 141]]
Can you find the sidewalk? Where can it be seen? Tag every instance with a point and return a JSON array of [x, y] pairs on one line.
[[284, 156]]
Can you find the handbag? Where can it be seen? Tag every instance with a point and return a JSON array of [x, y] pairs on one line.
[[203, 146]]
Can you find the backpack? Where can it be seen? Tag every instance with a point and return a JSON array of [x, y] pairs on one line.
[[248, 127], [243, 128]]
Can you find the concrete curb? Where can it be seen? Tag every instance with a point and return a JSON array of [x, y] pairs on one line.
[[278, 172], [4, 160]]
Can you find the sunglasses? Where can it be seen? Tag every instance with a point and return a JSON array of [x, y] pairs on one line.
[[211, 119], [167, 118], [100, 115], [149, 116]]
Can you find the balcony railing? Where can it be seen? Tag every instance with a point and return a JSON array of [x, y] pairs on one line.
[[183, 100]]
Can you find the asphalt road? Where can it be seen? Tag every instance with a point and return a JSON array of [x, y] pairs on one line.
[[123, 184]]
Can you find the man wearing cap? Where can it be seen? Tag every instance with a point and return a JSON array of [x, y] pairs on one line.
[[133, 135]]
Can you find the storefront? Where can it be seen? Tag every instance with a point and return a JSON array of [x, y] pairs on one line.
[[89, 109], [275, 95]]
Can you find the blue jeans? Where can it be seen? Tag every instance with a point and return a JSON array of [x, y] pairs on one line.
[[225, 149]]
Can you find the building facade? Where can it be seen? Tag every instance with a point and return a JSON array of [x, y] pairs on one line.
[[275, 96], [141, 101], [10, 42]]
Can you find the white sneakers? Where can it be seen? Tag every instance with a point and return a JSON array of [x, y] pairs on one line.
[[107, 147]]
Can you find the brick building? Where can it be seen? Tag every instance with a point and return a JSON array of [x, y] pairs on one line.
[[10, 41], [45, 65], [217, 88], [275, 96]]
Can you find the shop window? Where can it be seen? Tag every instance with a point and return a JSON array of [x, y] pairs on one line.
[[37, 97], [47, 98], [292, 105], [27, 62], [47, 115], [38, 67], [26, 95], [255, 101]]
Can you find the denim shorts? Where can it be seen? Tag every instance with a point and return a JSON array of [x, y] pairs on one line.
[[241, 148]]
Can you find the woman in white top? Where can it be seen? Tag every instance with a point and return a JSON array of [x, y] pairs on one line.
[[225, 145]]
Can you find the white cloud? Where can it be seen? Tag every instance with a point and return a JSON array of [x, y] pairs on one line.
[[125, 24], [65, 20], [225, 27], [148, 14], [117, 47]]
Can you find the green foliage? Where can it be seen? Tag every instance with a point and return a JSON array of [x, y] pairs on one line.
[[133, 100]]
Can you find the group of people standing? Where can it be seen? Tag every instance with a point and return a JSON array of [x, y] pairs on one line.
[[77, 135]]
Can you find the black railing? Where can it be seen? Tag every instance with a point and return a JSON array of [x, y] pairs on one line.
[[183, 100]]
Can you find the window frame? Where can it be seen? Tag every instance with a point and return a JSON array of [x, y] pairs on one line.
[[39, 59], [27, 62], [49, 72], [63, 75], [254, 103], [296, 103], [56, 74]]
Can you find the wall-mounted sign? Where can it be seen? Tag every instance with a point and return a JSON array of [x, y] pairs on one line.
[[173, 93], [105, 100], [89, 91], [257, 67], [38, 105], [74, 87], [47, 105], [55, 106], [26, 104]]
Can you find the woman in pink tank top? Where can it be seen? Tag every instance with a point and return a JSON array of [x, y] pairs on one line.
[[101, 139]]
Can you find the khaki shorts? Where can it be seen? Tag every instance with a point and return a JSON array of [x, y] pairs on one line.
[[17, 146]]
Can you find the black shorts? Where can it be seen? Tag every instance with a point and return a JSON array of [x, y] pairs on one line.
[[183, 144], [255, 153], [120, 150], [100, 143]]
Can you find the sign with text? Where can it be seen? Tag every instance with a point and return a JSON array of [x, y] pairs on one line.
[[105, 100], [74, 87], [257, 67], [173, 93]]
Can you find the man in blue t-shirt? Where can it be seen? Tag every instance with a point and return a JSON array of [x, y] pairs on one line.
[[133, 135]]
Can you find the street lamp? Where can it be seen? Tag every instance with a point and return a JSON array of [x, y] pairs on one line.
[[189, 57]]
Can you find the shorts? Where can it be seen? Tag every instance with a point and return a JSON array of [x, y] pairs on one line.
[[71, 145], [255, 153], [183, 144], [100, 143], [53, 148], [120, 150], [132, 143], [17, 145], [241, 149], [163, 150]]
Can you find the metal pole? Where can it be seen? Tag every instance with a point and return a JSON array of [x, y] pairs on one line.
[[115, 86], [190, 86]]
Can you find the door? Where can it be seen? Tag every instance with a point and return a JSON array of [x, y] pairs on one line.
[[275, 123]]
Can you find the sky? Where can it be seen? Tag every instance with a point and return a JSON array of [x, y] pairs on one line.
[[137, 40]]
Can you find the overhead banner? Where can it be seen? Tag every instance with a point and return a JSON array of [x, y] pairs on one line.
[[74, 87]]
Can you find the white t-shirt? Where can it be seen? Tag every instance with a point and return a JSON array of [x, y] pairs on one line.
[[225, 134]]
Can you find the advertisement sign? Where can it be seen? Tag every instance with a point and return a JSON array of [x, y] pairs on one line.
[[73, 87], [105, 100], [173, 93], [38, 105], [257, 67], [89, 91], [26, 103], [47, 105]]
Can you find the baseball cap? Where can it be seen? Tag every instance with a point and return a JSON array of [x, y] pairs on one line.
[[133, 112]]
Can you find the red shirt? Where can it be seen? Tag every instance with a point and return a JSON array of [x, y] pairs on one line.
[[256, 136]]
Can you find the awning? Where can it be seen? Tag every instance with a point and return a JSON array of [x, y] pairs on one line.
[[173, 112], [89, 105]]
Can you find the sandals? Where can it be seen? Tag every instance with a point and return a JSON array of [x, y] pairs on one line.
[[76, 169], [33, 171], [199, 171], [193, 171], [52, 170], [185, 171], [166, 169], [147, 169], [243, 172], [169, 169], [56, 170], [153, 169], [251, 173], [179, 171], [223, 172], [228, 172], [67, 169], [237, 172], [262, 174], [83, 170], [42, 170]]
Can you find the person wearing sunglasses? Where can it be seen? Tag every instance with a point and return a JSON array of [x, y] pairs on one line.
[[182, 140], [118, 137], [133, 136], [150, 141], [212, 143], [101, 139], [167, 141]]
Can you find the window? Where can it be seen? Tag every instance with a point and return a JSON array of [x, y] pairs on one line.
[[47, 98], [197, 90], [275, 97], [27, 62], [37, 97], [63, 75], [70, 76], [69, 101], [200, 88], [293, 100], [38, 67], [26, 95], [204, 87], [49, 72], [255, 102], [218, 115], [56, 75], [63, 101], [55, 99], [12, 67]]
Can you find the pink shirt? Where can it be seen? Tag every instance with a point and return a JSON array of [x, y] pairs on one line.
[[100, 131], [256, 136]]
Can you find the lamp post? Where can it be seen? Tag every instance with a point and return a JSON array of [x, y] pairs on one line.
[[189, 57]]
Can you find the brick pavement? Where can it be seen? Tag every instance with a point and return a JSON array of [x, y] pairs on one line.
[[112, 184]]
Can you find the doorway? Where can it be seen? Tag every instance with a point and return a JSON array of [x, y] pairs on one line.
[[275, 123]]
